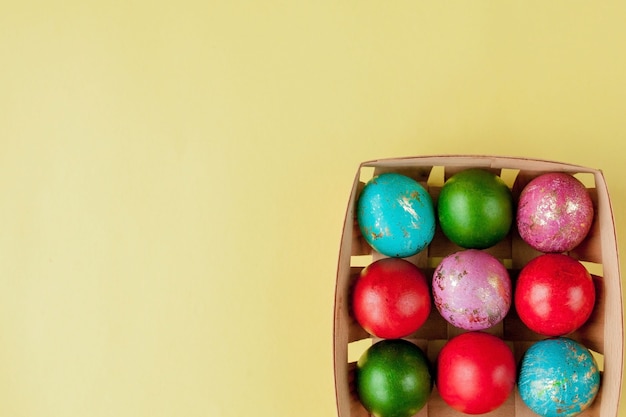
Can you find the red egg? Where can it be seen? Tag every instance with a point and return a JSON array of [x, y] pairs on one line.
[[554, 294], [391, 298], [476, 372], [554, 213]]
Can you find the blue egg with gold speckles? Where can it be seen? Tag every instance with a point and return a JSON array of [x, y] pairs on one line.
[[396, 215], [558, 378]]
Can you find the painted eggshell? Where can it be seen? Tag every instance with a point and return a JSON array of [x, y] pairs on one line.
[[396, 215], [554, 212], [475, 373], [472, 289], [554, 294], [558, 377]]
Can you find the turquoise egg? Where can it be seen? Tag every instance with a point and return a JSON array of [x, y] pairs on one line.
[[396, 215], [558, 377]]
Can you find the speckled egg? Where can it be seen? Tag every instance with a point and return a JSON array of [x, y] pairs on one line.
[[396, 215], [554, 212], [558, 378], [472, 289]]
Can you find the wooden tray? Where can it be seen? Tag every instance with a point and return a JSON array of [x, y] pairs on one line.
[[602, 334]]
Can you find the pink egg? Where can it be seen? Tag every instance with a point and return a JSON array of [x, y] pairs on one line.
[[554, 213], [472, 289]]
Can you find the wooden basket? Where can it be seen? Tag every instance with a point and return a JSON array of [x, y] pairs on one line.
[[602, 334]]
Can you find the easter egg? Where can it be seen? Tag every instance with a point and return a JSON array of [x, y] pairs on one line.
[[396, 215], [558, 378], [393, 378], [554, 294], [476, 372], [554, 212], [391, 298], [472, 289], [475, 209]]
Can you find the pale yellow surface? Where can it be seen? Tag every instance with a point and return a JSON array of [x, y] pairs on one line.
[[174, 176]]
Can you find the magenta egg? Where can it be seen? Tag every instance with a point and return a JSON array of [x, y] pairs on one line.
[[554, 213], [472, 289]]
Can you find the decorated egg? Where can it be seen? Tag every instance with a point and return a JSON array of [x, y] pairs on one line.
[[391, 298], [396, 215], [475, 209], [554, 212], [558, 377], [554, 294], [475, 372], [472, 289], [393, 378]]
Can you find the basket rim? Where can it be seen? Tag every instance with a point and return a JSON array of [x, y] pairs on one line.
[[488, 160]]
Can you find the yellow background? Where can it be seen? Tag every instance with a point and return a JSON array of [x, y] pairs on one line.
[[174, 176]]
